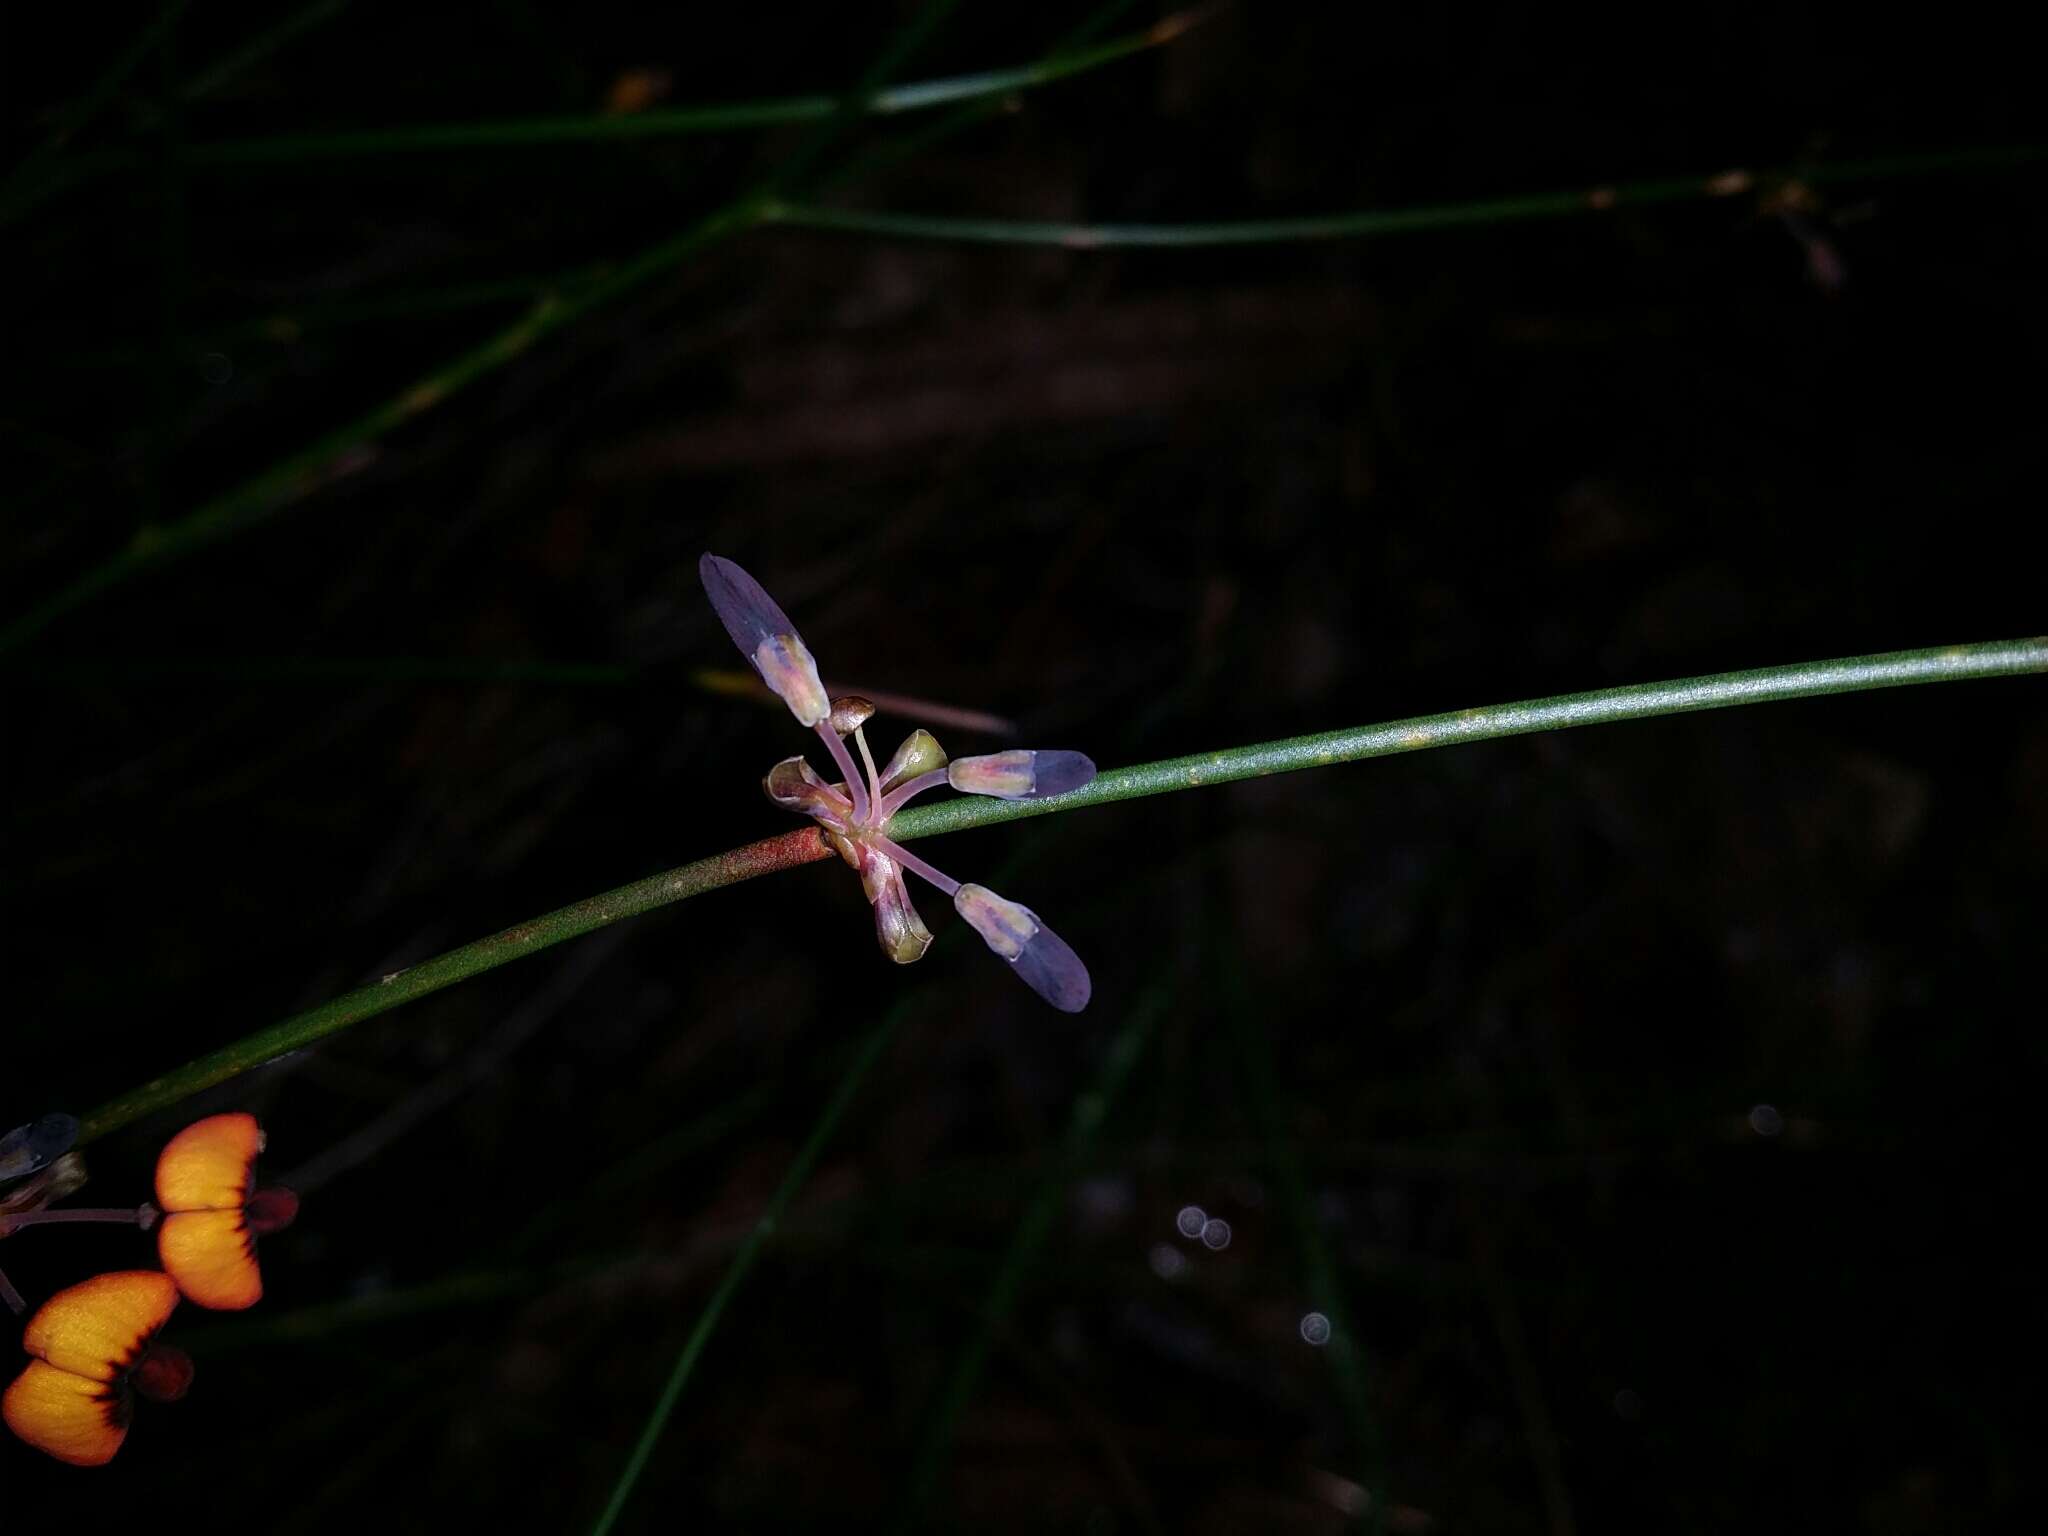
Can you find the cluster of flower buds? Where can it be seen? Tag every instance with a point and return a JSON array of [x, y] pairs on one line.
[[94, 1346], [854, 813]]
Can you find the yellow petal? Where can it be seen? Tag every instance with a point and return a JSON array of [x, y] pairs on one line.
[[210, 1255], [98, 1327], [72, 1418], [206, 1166]]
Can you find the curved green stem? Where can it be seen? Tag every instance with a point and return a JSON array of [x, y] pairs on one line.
[[803, 846], [1641, 701], [1389, 221], [1637, 701]]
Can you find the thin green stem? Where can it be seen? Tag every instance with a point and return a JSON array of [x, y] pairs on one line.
[[1605, 706], [1640, 701], [1090, 1109], [1773, 184], [742, 1262], [665, 122], [341, 450], [265, 43], [803, 846], [22, 184], [990, 85], [1343, 1343], [334, 454]]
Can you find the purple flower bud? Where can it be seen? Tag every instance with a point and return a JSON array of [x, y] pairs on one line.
[[1040, 957], [1020, 774], [766, 638]]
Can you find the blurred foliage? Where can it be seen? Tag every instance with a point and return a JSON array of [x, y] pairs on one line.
[[1517, 1001]]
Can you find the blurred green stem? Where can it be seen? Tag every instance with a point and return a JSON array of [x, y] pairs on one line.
[[346, 448], [1775, 188], [742, 1262], [674, 122], [1640, 701], [381, 996], [1032, 1228]]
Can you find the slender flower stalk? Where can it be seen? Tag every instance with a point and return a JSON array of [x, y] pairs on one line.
[[121, 1215]]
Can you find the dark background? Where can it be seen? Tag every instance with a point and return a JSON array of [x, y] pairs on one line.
[[1467, 1047]]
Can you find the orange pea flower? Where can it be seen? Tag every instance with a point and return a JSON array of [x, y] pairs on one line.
[[95, 1348], [213, 1212]]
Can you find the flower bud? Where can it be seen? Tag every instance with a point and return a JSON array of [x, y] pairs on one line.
[[1042, 959], [900, 931], [849, 714], [1020, 774], [765, 637], [795, 786], [1003, 925], [786, 667], [36, 1145], [920, 753]]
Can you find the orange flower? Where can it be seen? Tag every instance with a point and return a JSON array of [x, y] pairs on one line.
[[213, 1212], [95, 1347]]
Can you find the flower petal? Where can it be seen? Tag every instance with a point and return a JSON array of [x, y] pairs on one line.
[[1061, 771], [72, 1418], [1020, 774], [212, 1257], [100, 1326], [1040, 957], [207, 1166], [1050, 968], [765, 637]]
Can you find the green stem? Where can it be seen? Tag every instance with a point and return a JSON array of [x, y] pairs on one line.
[[292, 478], [302, 1029], [669, 122], [660, 123], [20, 186], [1388, 221], [1090, 1109], [1344, 1345], [742, 1262], [1604, 706], [334, 454], [1639, 701], [224, 69]]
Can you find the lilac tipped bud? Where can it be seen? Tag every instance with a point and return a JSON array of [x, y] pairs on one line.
[[919, 754], [765, 637], [1020, 774], [1041, 958], [795, 786]]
